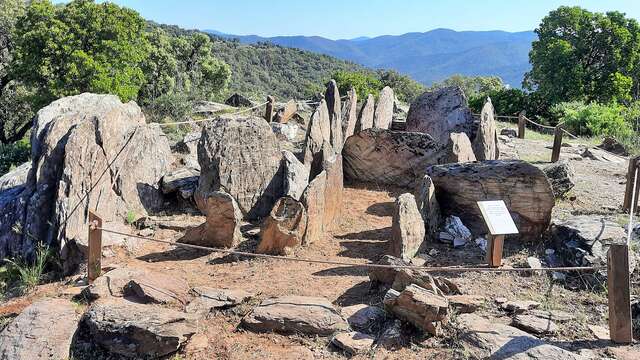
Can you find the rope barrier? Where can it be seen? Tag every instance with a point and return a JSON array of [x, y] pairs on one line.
[[540, 125], [210, 119], [344, 263]]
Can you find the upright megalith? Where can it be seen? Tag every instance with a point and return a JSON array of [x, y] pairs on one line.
[[283, 230], [318, 133], [241, 156], [383, 114], [407, 228], [349, 113], [365, 117], [460, 148], [222, 227], [332, 96], [313, 199], [485, 145], [427, 203]]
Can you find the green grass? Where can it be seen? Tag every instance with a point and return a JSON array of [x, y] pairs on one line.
[[22, 275], [131, 217]]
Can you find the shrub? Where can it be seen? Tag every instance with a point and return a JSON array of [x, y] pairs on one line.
[[12, 155], [363, 83], [26, 275], [594, 119]]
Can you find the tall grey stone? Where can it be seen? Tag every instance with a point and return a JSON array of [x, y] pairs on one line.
[[425, 195], [349, 114], [365, 117], [485, 145], [296, 176], [332, 96], [407, 228], [318, 132], [383, 114]]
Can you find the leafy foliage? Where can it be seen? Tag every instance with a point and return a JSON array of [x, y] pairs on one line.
[[363, 83], [472, 86], [593, 119], [13, 154], [405, 88]]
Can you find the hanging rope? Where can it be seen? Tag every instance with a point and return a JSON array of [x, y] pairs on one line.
[[210, 119]]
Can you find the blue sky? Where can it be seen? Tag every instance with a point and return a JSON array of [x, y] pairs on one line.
[[336, 19]]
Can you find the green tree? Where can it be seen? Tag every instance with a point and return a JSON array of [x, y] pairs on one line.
[[472, 86], [404, 87], [363, 82], [585, 56]]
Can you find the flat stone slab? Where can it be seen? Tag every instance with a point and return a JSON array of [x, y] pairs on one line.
[[534, 324], [208, 299], [353, 342], [519, 307], [363, 317]]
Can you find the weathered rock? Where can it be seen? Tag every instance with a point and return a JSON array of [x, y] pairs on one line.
[[439, 285], [511, 133], [610, 144], [135, 330], [534, 324], [44, 330], [295, 314], [15, 178], [383, 114], [386, 275], [441, 112], [425, 195], [333, 191], [390, 157], [421, 307], [240, 155], [523, 187], [465, 304], [561, 176], [296, 176], [486, 338], [285, 132], [284, 228], [183, 180], [459, 148], [318, 133], [392, 337], [222, 228], [353, 342], [407, 229], [74, 140], [313, 199], [485, 144], [365, 318], [519, 306], [349, 114], [141, 285], [555, 315], [209, 299], [332, 96], [187, 149], [237, 100], [365, 117], [286, 112]]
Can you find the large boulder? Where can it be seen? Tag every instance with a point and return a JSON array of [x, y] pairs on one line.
[[136, 330], [441, 112], [44, 330], [383, 114], [240, 155], [390, 157], [222, 227], [523, 187], [349, 114], [407, 228], [83, 142], [295, 314], [332, 96], [485, 144], [284, 228], [365, 117]]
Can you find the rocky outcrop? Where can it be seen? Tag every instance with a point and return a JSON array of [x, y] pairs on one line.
[[365, 117], [78, 143], [44, 330], [459, 148], [427, 203], [332, 96], [523, 187], [407, 228], [284, 228], [390, 157], [349, 114], [296, 176], [222, 228], [485, 144], [240, 156], [15, 178], [441, 112], [383, 115], [561, 176], [313, 199], [295, 314], [423, 308], [137, 331]]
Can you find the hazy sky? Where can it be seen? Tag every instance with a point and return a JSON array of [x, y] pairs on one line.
[[337, 19]]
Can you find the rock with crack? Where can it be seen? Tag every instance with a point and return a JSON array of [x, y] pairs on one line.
[[73, 141], [523, 187], [561, 176], [141, 285], [296, 176], [313, 199], [353, 342], [459, 148], [318, 133], [485, 143], [183, 181], [135, 330], [390, 157], [284, 228], [240, 156], [407, 229], [332, 96], [209, 299], [222, 227], [295, 314], [349, 114], [383, 115], [534, 324], [486, 338], [425, 195], [44, 330], [365, 117], [365, 318], [423, 308]]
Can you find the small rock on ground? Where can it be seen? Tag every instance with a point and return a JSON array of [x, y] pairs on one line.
[[353, 342], [534, 324]]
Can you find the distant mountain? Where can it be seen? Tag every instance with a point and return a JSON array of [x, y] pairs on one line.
[[427, 57]]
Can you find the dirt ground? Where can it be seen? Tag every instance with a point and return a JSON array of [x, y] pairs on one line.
[[360, 236]]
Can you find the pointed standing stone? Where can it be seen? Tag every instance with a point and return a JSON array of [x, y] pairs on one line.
[[318, 132], [383, 114], [349, 114], [332, 95], [484, 145], [407, 229], [313, 199], [365, 118]]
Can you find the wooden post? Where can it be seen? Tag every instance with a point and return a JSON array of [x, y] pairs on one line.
[[557, 144], [494, 250], [628, 193], [522, 121], [268, 115], [94, 261], [620, 328]]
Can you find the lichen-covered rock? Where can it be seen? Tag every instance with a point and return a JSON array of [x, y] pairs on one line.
[[222, 228], [365, 117], [407, 229], [485, 144], [333, 190], [421, 307], [349, 114], [241, 156], [284, 228], [383, 114], [318, 133], [561, 176]]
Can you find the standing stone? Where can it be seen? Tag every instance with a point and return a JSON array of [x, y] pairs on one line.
[[296, 176], [407, 229], [485, 146], [222, 228], [441, 112], [313, 199], [383, 114], [332, 96], [365, 118], [240, 155], [349, 114], [44, 330], [460, 148], [318, 132], [333, 191], [425, 195], [284, 229]]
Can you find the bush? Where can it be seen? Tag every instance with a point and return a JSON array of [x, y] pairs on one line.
[[363, 83], [12, 155], [594, 119]]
